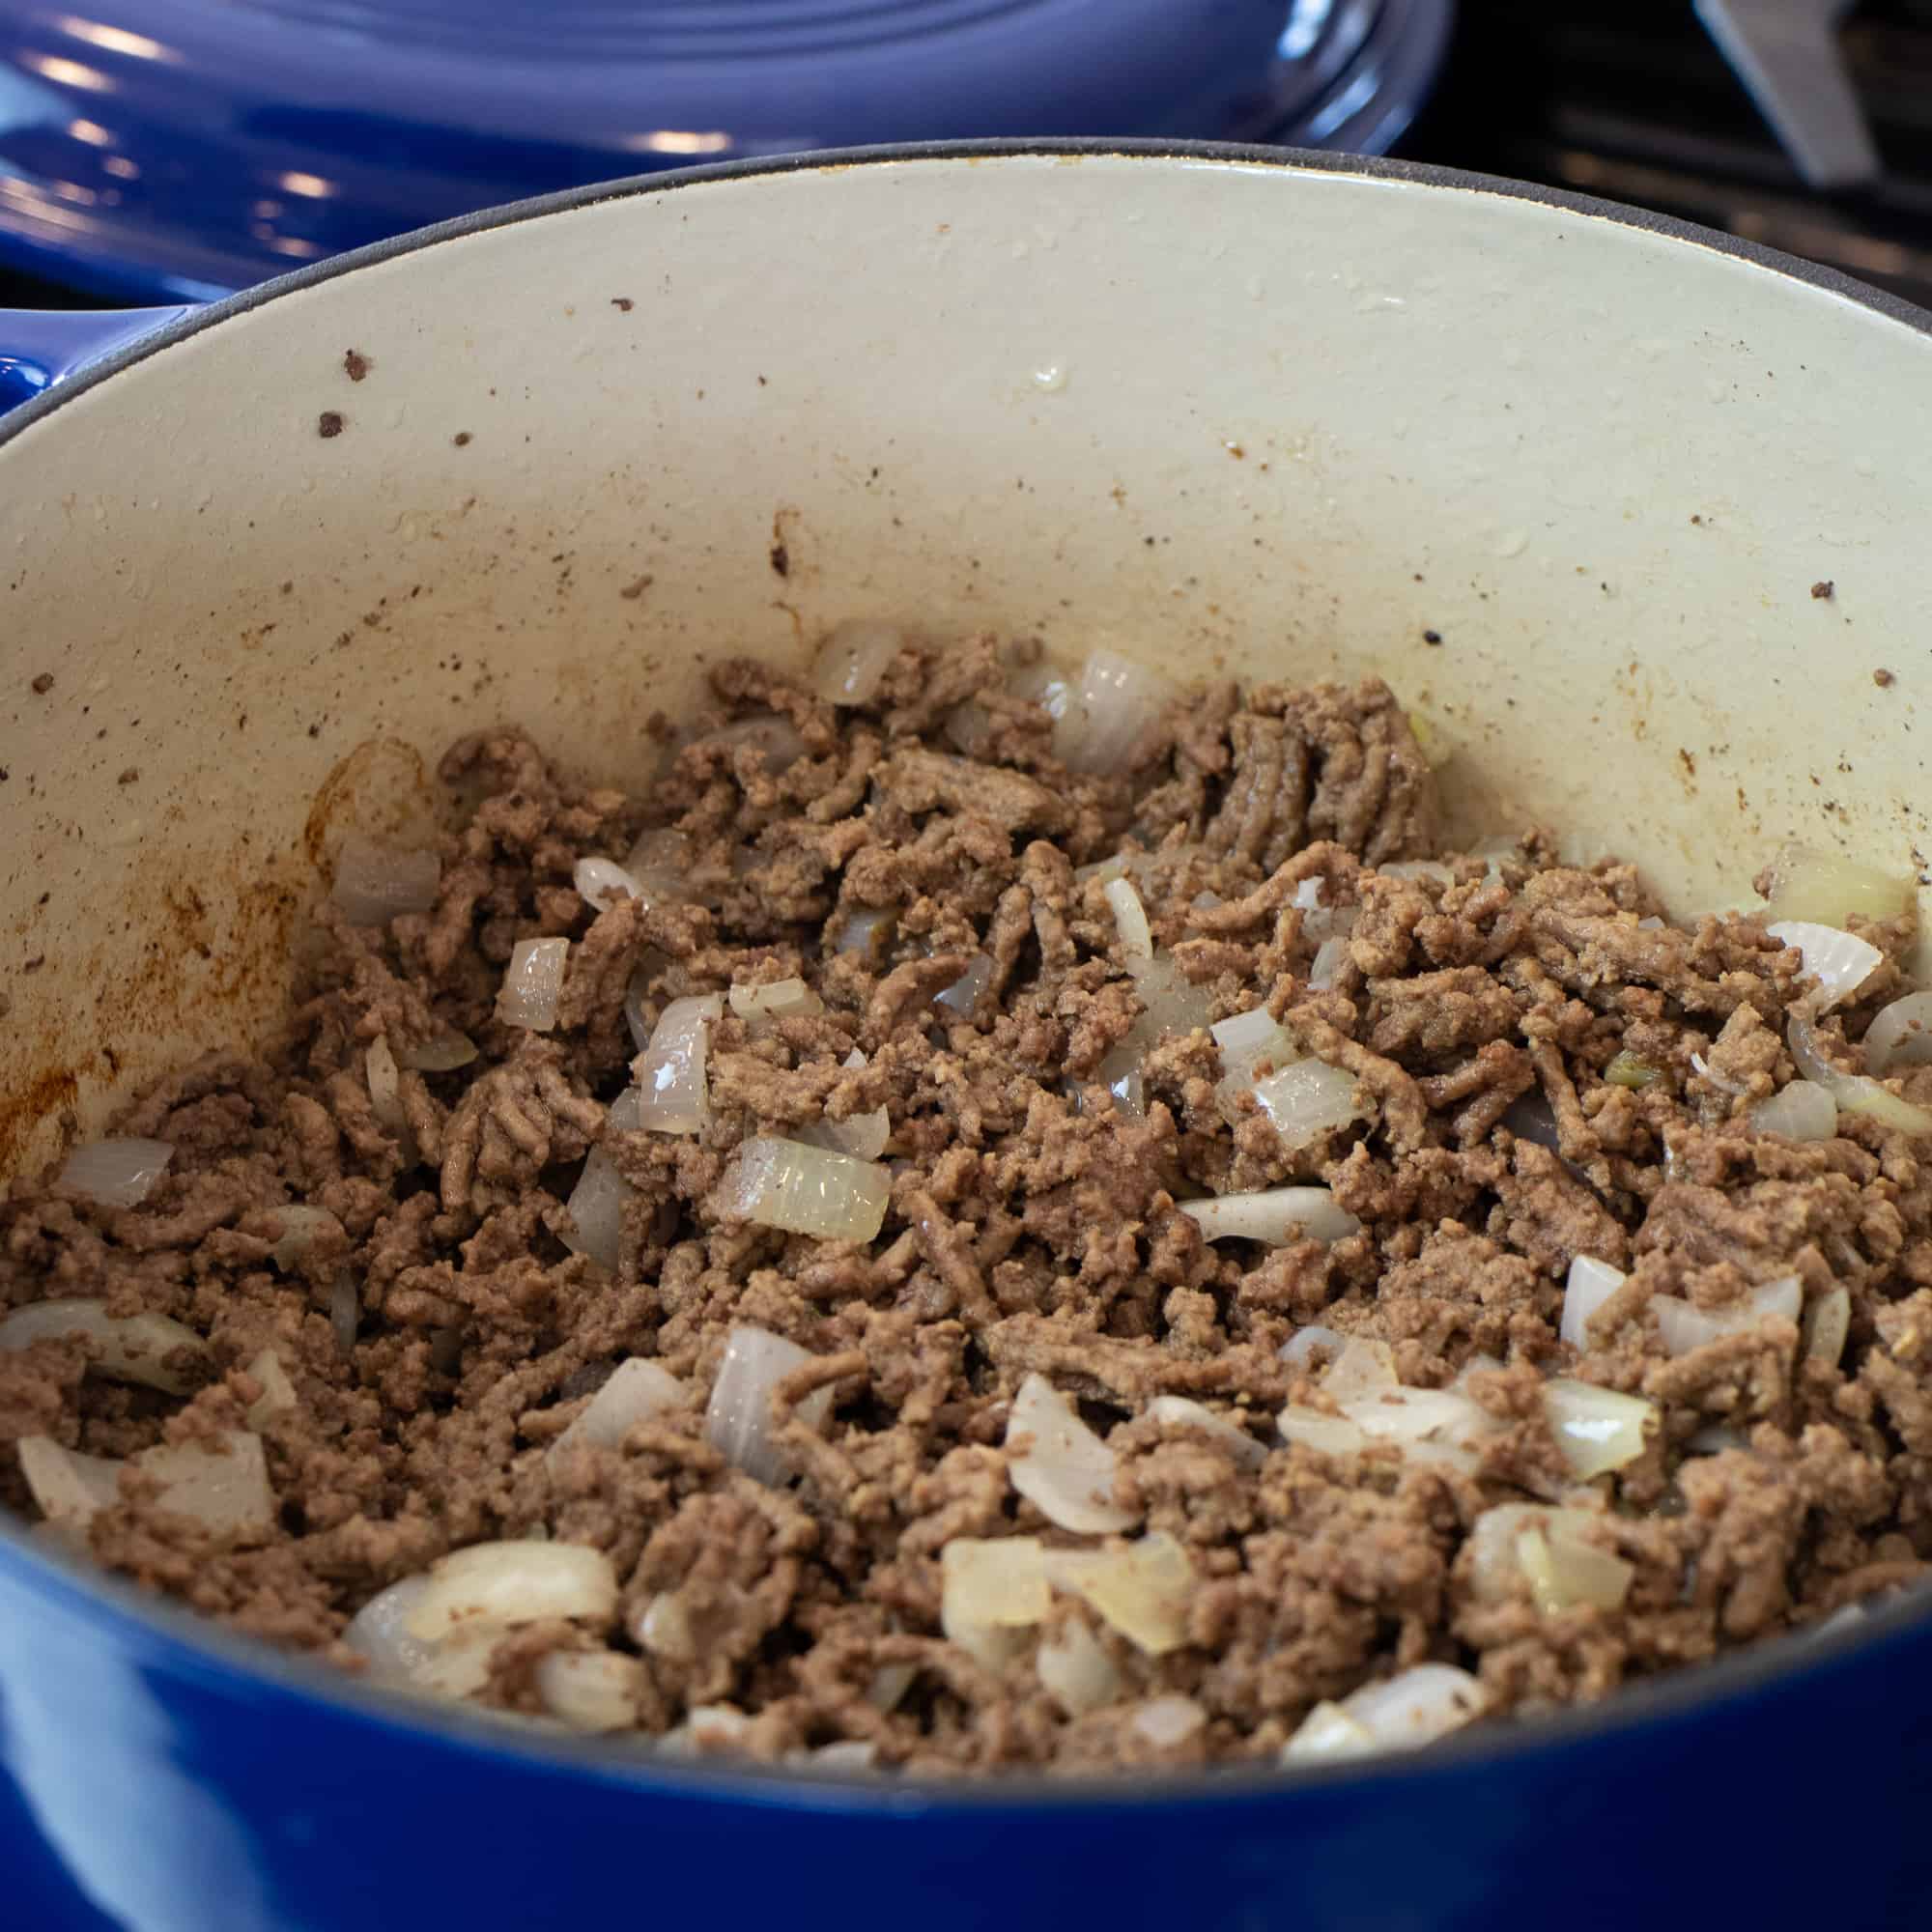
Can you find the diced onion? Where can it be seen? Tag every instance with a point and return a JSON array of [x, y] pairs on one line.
[[660, 863], [1828, 1321], [67, 1487], [1327, 1733], [1308, 1098], [1276, 1215], [1413, 1415], [1495, 1543], [848, 1755], [1075, 1671], [1059, 1464], [1130, 918], [226, 1489], [637, 1390], [854, 659], [601, 881], [1141, 1589], [1173, 1003], [1840, 963], [384, 1081], [127, 1348], [443, 1052], [999, 1580], [596, 1210], [1564, 1571], [806, 1190], [670, 1073], [1306, 1342], [707, 1730], [532, 984], [374, 883], [514, 1582], [1328, 958], [1101, 715], [774, 739], [1628, 1070], [1314, 1428], [781, 1000], [1590, 1285], [963, 995], [592, 1690], [345, 1312], [119, 1173], [1179, 1411], [1824, 888], [888, 1685], [1247, 1040], [1167, 1721], [1801, 1111], [738, 1417], [278, 1393], [380, 1633], [1431, 870], [1852, 1093], [865, 932], [1364, 1366], [300, 1229], [1723, 1082], [1900, 1035], [1597, 1429], [1684, 1327], [1413, 1708], [863, 1136]]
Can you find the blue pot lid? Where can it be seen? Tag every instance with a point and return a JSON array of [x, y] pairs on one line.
[[183, 148]]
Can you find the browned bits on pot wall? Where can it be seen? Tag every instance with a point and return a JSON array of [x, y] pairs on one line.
[[329, 424], [1824, 589], [43, 684], [355, 364]]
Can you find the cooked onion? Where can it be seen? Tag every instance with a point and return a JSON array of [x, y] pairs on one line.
[[226, 1489], [1308, 1098], [1628, 1070], [963, 995], [1364, 1366], [119, 1173], [127, 1348], [864, 932], [1075, 1671], [660, 863], [1000, 1580], [1828, 1321], [1167, 1721], [1852, 1093], [637, 1390], [1248, 1040], [1824, 888], [278, 1393], [601, 881], [1177, 1412], [772, 738], [863, 1136], [1723, 1082], [675, 1097], [443, 1052], [1328, 958], [1301, 1347], [596, 1211], [345, 1312], [1563, 1571], [300, 1227], [519, 1582], [1495, 1543], [532, 984], [806, 1190], [1900, 1035], [1431, 870], [590, 1689], [1100, 716], [889, 1684], [1684, 1327], [1314, 1428], [1276, 1215], [738, 1417], [1840, 963], [1327, 1732], [1406, 1416], [384, 1082], [1799, 1111], [1413, 1708], [1059, 1464], [1130, 916], [1141, 1589], [67, 1487], [1590, 1285], [1172, 1002], [1597, 1429], [374, 883], [854, 659], [781, 1000], [380, 1632]]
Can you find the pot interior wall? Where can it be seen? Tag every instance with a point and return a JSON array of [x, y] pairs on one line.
[[1228, 416]]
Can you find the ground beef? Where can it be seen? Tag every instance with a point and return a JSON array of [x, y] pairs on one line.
[[1545, 1069]]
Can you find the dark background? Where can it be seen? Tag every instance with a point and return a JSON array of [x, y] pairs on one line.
[[1629, 99]]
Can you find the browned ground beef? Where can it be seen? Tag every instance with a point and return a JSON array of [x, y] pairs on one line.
[[1032, 1226]]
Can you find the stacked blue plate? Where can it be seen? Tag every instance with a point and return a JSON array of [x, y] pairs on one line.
[[181, 148]]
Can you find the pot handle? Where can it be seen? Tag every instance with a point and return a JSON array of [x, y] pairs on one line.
[[39, 347]]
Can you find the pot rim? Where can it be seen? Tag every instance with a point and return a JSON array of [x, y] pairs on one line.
[[192, 1646]]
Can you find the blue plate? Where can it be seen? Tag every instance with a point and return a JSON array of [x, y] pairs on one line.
[[179, 149]]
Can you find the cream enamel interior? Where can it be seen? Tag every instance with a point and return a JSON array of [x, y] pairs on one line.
[[1223, 414]]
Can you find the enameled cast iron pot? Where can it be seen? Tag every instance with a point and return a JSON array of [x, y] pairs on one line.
[[1225, 410]]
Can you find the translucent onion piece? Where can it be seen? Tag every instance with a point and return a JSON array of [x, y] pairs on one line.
[[1854, 1093], [774, 739], [1120, 1072], [1327, 1733], [1276, 1215], [1840, 963], [385, 1087], [1416, 1707], [993, 1646], [1246, 1041], [853, 661], [1900, 1035], [1363, 1366], [708, 1730], [602, 882], [806, 1190], [1179, 1411], [1301, 1347], [278, 1393], [1799, 1111], [596, 1210], [781, 999], [1059, 1464], [1715, 1439], [443, 1052], [625, 1115], [380, 1633], [300, 1229], [67, 1487], [1414, 1415], [848, 1755], [1722, 1082], [119, 1173], [1328, 958], [863, 1136], [637, 1390], [1075, 1671], [373, 883], [592, 1690], [1597, 1429], [1309, 1098], [1684, 1327], [514, 1582], [345, 1313], [963, 995], [1101, 713], [888, 1685], [1824, 888], [1431, 870], [738, 1417], [1173, 1003], [1563, 1572], [1590, 1285], [1628, 1070], [1494, 1539], [865, 932], [1828, 1321], [532, 984], [1532, 1119], [1167, 1721], [669, 1073], [660, 863], [999, 1581], [1130, 918], [226, 1489], [1141, 1589], [1313, 1429], [127, 1348]]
